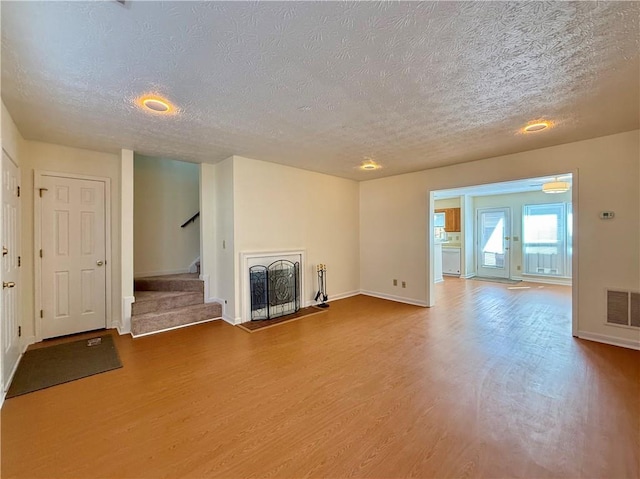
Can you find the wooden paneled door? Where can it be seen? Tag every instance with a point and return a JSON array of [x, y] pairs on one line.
[[73, 239], [10, 263]]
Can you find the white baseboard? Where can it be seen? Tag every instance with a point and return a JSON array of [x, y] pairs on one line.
[[467, 276], [146, 274], [334, 297], [173, 328], [612, 340], [193, 267], [5, 387], [27, 341], [398, 299], [230, 320]]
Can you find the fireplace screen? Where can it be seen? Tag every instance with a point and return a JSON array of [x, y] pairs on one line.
[[275, 290]]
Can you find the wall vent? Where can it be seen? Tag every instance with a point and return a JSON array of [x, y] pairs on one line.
[[623, 308]]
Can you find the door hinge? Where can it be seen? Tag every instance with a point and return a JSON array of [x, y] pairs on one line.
[[19, 261], [18, 192], [41, 253], [41, 314], [19, 331]]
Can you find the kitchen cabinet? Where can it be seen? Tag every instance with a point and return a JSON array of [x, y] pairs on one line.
[[451, 219], [451, 261]]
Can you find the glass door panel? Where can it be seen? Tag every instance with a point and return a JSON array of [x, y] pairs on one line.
[[493, 235]]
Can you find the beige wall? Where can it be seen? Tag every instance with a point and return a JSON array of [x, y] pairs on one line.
[[394, 241], [48, 157], [516, 203], [282, 208], [12, 141], [447, 203], [224, 254], [166, 194]]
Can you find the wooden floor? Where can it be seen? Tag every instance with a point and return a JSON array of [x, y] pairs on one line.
[[489, 383]]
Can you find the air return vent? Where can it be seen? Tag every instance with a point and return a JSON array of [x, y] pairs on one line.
[[623, 308]]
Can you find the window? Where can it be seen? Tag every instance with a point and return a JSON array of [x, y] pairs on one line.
[[547, 239]]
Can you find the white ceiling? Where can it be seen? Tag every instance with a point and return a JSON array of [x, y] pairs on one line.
[[321, 85]]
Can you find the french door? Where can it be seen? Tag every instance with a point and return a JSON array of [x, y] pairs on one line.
[[493, 234]]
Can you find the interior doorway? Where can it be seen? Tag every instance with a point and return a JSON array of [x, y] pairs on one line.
[[519, 231]]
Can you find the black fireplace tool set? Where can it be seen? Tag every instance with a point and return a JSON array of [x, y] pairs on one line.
[[322, 286]]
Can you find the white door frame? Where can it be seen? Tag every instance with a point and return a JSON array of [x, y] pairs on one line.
[[37, 243]]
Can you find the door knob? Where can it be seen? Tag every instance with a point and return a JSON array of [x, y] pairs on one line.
[[99, 263], [9, 284], [5, 251]]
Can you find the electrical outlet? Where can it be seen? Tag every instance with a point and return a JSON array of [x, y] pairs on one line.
[[518, 267], [404, 284], [395, 282]]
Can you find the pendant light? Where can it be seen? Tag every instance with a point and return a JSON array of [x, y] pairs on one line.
[[556, 186]]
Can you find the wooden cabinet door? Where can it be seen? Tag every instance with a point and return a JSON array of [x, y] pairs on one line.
[[455, 219]]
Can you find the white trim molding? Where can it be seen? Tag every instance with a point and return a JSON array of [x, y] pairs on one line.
[[334, 297], [612, 340], [110, 321], [125, 325], [230, 320]]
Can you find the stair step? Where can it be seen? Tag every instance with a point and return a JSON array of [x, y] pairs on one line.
[[171, 282], [161, 320], [151, 301]]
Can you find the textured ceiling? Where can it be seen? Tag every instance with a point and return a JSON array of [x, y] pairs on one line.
[[321, 85]]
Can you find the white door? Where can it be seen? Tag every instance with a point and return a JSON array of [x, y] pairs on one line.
[[10, 263], [73, 255], [492, 242]]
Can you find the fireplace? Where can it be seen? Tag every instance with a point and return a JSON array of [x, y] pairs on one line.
[[275, 289], [272, 284]]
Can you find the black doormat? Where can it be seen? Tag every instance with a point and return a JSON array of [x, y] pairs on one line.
[[49, 366]]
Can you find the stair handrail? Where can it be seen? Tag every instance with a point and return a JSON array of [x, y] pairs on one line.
[[190, 220]]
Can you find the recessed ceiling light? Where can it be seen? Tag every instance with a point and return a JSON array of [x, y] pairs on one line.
[[538, 126], [155, 104], [368, 164]]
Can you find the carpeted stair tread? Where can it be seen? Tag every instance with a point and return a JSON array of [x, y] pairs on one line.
[[171, 282], [161, 320], [150, 301]]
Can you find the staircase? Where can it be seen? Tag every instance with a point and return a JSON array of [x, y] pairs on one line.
[[169, 302]]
